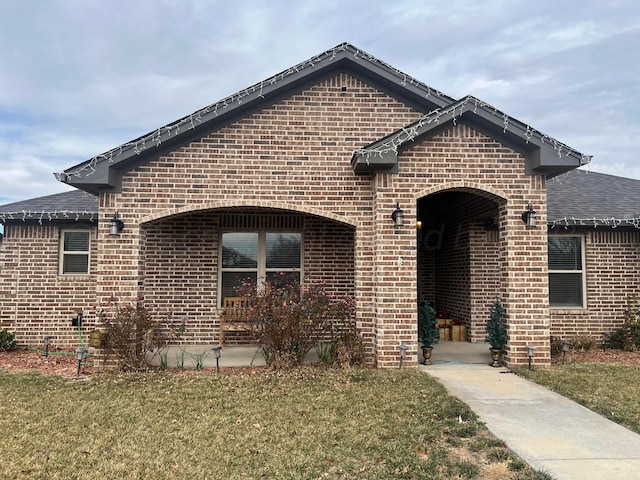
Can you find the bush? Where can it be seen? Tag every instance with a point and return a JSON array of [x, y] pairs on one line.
[[582, 342], [131, 333], [556, 346], [290, 319], [7, 340]]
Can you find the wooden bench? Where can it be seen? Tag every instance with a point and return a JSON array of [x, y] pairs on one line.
[[234, 317]]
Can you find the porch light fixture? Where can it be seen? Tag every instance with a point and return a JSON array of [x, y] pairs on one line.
[[529, 217], [217, 353], [398, 216], [403, 352], [530, 351], [80, 354], [565, 348], [115, 225]]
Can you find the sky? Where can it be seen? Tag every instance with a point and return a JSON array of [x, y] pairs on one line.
[[79, 77]]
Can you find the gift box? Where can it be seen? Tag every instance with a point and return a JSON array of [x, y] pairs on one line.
[[445, 334], [459, 333]]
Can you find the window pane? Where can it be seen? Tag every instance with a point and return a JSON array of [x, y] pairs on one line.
[[283, 250], [239, 250], [231, 280], [565, 253], [280, 279], [75, 264], [565, 289], [76, 241]]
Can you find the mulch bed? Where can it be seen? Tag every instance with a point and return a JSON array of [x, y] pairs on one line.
[[63, 363]]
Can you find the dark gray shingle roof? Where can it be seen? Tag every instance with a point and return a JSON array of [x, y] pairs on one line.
[[580, 197], [74, 205]]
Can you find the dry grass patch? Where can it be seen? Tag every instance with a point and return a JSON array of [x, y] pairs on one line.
[[308, 423], [609, 389]]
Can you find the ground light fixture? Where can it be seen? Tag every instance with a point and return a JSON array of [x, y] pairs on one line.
[[403, 353], [115, 225], [47, 342], [80, 354], [217, 353], [529, 217], [397, 216], [565, 348], [530, 352], [606, 336]]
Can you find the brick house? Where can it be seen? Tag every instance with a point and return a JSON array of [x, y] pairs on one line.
[[312, 163]]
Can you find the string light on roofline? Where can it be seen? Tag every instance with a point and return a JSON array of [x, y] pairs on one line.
[[612, 222], [191, 121]]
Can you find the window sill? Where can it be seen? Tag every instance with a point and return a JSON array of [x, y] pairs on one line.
[[569, 311]]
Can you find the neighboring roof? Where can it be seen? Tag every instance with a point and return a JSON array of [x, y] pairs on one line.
[[543, 154], [593, 199], [73, 205], [104, 172]]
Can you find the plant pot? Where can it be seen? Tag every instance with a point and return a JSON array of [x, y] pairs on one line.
[[496, 357], [426, 353]]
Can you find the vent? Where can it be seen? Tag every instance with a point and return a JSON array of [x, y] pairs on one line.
[[261, 221]]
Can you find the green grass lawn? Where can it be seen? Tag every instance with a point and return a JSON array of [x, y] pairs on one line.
[[306, 424], [609, 389]]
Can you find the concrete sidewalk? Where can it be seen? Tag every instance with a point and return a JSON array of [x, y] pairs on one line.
[[551, 433]]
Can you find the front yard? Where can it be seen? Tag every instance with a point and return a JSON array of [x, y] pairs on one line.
[[309, 423], [607, 382]]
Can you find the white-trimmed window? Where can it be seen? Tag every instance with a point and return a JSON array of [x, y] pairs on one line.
[[566, 271], [258, 255], [74, 252]]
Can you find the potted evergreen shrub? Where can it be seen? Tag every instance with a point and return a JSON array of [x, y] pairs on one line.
[[427, 330], [496, 333]]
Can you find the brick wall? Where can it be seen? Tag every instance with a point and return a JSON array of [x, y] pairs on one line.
[[613, 274], [34, 299]]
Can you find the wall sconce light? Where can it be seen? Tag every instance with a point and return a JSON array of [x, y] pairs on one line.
[[398, 216], [115, 225], [529, 217], [80, 353], [217, 353], [403, 352], [565, 348], [530, 351], [418, 224]]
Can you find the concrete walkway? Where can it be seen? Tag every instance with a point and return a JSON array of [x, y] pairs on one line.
[[551, 433]]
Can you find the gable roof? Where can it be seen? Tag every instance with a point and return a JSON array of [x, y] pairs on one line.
[[593, 199], [73, 205], [543, 155], [104, 172]]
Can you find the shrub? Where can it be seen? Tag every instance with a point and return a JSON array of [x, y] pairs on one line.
[[7, 340], [582, 343], [496, 327], [556, 346], [289, 319], [131, 333]]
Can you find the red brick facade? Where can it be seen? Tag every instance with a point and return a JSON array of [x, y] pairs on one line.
[[289, 165]]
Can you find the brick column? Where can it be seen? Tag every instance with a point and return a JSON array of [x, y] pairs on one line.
[[394, 258], [525, 289]]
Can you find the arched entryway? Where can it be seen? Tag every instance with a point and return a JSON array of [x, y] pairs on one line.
[[459, 257]]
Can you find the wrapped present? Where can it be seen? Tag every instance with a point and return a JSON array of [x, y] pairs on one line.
[[459, 333], [445, 334]]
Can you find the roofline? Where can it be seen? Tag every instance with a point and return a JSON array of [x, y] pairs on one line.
[[544, 154], [104, 172]]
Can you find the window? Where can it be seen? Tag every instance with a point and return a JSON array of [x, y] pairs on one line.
[[74, 252], [258, 255], [566, 271]]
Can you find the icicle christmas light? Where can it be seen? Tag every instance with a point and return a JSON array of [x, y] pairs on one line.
[[612, 222], [453, 112], [25, 215], [162, 134]]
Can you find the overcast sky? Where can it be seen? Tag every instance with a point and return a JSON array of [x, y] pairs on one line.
[[79, 77]]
